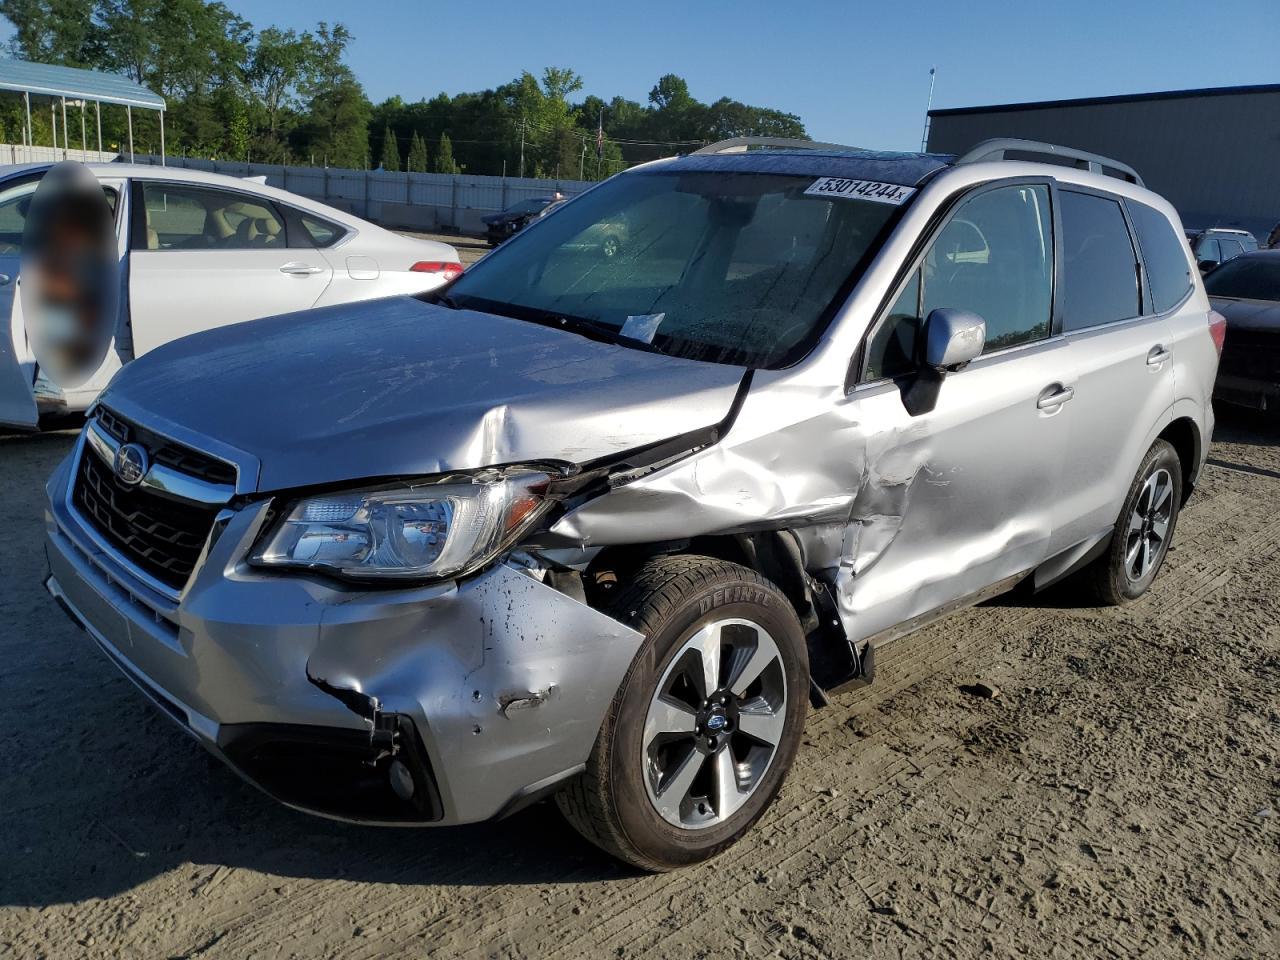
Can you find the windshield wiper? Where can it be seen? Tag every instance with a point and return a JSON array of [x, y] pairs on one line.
[[584, 326]]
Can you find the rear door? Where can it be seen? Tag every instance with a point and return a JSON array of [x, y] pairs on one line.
[[1121, 355], [203, 257]]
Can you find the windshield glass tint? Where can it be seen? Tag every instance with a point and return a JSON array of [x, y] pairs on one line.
[[1246, 278], [727, 267]]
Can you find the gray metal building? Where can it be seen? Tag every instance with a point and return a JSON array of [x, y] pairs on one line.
[[1214, 154]]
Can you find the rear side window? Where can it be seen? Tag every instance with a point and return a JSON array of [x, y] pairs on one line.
[[1230, 248], [180, 217], [1099, 266], [1164, 253], [315, 231]]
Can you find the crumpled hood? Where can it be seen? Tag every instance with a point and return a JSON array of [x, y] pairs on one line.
[[1248, 314], [398, 386]]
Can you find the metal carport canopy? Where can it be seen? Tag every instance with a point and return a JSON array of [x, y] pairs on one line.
[[77, 84], [51, 80]]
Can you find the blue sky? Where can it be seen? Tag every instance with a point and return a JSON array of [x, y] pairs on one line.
[[854, 72]]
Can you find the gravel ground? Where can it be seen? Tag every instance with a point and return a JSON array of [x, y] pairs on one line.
[[1120, 797]]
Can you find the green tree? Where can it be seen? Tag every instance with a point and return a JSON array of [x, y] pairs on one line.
[[417, 160], [444, 156], [336, 125], [390, 150], [52, 31], [277, 65]]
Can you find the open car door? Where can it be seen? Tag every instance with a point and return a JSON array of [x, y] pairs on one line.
[[17, 371]]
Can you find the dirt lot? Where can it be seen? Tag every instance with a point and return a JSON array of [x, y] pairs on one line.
[[1119, 798]]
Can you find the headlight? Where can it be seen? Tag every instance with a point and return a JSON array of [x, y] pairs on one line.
[[430, 530]]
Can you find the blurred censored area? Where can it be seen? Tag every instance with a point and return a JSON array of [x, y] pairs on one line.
[[70, 274]]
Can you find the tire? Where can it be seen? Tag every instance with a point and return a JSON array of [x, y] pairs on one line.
[[1117, 577], [638, 799]]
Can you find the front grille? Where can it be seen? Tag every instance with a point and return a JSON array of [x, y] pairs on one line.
[[163, 450], [160, 535], [1252, 354]]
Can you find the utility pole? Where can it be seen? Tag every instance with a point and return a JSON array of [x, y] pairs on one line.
[[582, 161], [522, 146], [924, 137]]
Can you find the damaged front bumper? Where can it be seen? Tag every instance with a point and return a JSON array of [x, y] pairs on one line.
[[447, 703]]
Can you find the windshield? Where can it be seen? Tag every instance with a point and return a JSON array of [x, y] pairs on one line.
[[1246, 278], [737, 268]]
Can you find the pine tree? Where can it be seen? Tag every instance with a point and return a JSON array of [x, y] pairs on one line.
[[390, 152], [417, 161], [444, 156]]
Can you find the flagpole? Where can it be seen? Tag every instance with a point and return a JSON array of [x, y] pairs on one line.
[[924, 137]]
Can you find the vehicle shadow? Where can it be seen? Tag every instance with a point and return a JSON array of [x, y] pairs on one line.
[[114, 795]]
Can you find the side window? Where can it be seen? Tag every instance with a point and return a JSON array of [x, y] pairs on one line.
[[1208, 251], [315, 231], [180, 217], [892, 351], [1165, 255], [1230, 248], [1099, 266], [14, 203], [994, 258]]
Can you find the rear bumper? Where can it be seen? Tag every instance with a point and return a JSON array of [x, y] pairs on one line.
[[1241, 391], [469, 697]]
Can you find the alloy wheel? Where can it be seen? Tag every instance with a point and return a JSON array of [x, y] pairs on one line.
[[714, 723], [1147, 533]]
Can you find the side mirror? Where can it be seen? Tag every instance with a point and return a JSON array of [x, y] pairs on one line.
[[1206, 265], [952, 338]]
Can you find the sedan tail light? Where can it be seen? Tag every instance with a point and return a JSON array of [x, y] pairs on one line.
[[448, 269], [1217, 329]]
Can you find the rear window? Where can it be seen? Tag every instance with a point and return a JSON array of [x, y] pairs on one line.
[[1246, 278], [1168, 269]]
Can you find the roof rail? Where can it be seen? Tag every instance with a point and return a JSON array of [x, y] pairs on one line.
[[1000, 148], [743, 144]]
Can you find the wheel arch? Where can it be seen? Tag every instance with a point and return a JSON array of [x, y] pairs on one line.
[[1183, 435]]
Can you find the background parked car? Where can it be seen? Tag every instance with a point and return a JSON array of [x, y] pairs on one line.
[[1218, 245], [501, 226], [1247, 292], [200, 250]]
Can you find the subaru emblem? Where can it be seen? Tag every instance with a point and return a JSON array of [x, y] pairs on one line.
[[715, 722], [130, 464]]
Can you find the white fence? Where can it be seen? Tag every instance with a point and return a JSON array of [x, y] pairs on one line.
[[418, 201]]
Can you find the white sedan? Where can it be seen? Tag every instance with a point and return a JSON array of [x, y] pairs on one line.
[[201, 250]]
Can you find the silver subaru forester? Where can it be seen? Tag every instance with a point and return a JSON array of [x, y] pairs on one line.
[[603, 527]]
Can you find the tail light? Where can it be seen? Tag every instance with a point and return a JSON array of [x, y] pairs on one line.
[[1217, 329], [448, 269]]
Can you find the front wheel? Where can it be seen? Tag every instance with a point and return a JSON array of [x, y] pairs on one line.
[[1143, 531], [704, 727]]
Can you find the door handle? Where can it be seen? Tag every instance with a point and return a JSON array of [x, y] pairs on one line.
[[1054, 395], [300, 269], [1158, 355]]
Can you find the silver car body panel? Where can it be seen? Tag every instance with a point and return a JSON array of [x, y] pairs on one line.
[[509, 677]]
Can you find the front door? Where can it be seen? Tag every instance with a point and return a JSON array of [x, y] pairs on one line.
[[961, 497], [204, 257]]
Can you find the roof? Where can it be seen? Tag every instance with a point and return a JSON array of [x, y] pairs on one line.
[[77, 84], [1096, 101], [904, 169]]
